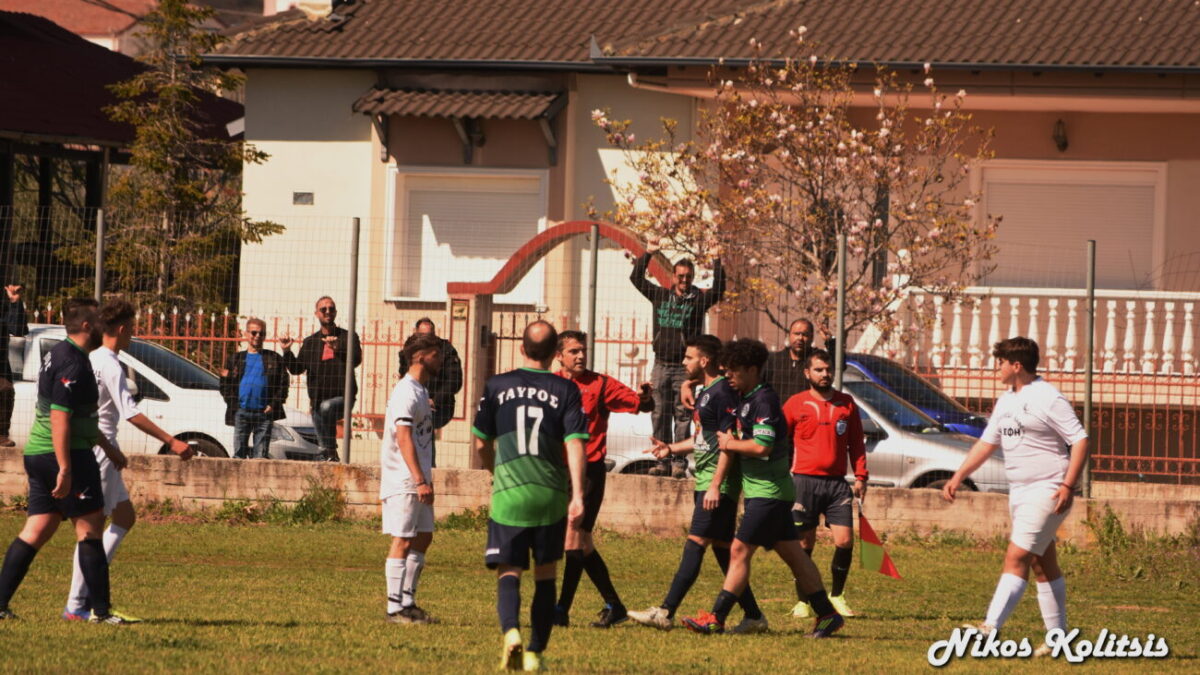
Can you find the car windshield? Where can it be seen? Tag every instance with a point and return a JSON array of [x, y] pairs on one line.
[[908, 384], [180, 371], [898, 412]]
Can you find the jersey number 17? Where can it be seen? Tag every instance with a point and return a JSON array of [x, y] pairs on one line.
[[528, 446]]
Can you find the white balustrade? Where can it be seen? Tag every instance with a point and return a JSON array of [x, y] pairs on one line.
[[956, 338], [1168, 345], [993, 332], [1014, 313], [1051, 345], [938, 348], [1189, 340], [1072, 347], [975, 357], [1110, 338], [1128, 357], [1149, 355]]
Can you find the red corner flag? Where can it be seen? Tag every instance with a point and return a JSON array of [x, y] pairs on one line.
[[870, 549]]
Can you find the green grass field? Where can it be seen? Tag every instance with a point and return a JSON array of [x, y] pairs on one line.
[[301, 598]]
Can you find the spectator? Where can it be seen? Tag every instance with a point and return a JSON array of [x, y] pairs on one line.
[[785, 368], [445, 383], [323, 357], [12, 322], [678, 316], [254, 384]]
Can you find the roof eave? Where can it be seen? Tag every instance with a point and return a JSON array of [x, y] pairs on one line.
[[258, 61], [633, 62]]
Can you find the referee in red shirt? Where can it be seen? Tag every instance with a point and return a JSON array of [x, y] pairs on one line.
[[602, 395], [826, 429]]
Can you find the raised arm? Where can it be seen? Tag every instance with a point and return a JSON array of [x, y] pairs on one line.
[[640, 282]]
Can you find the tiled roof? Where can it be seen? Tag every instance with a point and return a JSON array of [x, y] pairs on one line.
[[422, 103], [1070, 33], [85, 18]]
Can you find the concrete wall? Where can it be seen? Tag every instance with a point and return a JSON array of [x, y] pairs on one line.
[[633, 504]]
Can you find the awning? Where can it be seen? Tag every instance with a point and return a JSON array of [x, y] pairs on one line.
[[515, 105]]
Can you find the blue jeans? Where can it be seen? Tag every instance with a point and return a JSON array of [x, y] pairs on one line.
[[326, 415], [245, 423], [670, 420]]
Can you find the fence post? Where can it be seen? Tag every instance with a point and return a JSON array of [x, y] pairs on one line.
[[99, 255], [348, 383], [592, 281], [839, 342], [1089, 367]]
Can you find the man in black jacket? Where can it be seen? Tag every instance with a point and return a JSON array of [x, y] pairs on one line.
[[254, 384], [785, 368], [12, 322], [445, 383], [678, 316], [323, 357]]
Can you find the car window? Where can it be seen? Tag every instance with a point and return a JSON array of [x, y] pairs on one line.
[[45, 345], [145, 388], [887, 404], [176, 369], [910, 386]]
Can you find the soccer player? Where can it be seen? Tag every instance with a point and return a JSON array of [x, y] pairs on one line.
[[64, 478], [115, 321], [406, 478], [718, 484], [764, 447], [601, 396], [1034, 423], [825, 429], [524, 419]]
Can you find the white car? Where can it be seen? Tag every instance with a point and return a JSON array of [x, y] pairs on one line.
[[176, 394]]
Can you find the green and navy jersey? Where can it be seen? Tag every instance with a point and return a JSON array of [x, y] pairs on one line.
[[530, 414], [66, 382], [715, 408], [760, 417]]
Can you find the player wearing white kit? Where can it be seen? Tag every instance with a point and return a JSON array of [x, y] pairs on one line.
[[1034, 423], [115, 320], [406, 478]]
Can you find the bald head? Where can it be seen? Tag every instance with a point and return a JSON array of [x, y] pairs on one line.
[[540, 341]]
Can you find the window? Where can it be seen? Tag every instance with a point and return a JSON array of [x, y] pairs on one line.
[[178, 370], [463, 227]]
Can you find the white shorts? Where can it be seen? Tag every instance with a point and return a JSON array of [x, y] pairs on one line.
[[1034, 522], [405, 516], [113, 486]]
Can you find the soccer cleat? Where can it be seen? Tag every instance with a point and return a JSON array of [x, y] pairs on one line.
[[749, 626], [655, 617], [419, 615], [398, 616], [78, 615], [839, 603], [705, 623], [125, 618], [1044, 650], [981, 627], [531, 661], [827, 625], [610, 616], [561, 618], [512, 656], [803, 610], [112, 619], [6, 613]]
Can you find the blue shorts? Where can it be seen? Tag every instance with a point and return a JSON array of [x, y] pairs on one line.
[[718, 524], [767, 522], [512, 544]]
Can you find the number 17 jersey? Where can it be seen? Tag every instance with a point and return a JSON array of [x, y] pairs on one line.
[[530, 414]]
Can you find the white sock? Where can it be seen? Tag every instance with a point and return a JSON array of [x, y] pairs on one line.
[[394, 570], [1009, 590], [77, 600], [416, 563], [1052, 599]]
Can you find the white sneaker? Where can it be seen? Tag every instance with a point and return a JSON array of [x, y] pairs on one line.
[[655, 617], [803, 610], [1044, 650], [981, 627], [748, 626]]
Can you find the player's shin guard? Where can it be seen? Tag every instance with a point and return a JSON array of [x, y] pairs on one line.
[[597, 571], [685, 576], [1052, 599], [819, 600], [724, 605], [16, 563], [840, 568], [748, 602], [1009, 590], [508, 601], [94, 565], [395, 569], [541, 614], [572, 573], [415, 563]]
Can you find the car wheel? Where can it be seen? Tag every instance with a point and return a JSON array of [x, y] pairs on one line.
[[639, 468], [940, 483], [208, 448]]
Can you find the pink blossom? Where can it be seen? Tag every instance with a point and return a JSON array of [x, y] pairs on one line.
[[962, 93], [929, 82], [928, 67]]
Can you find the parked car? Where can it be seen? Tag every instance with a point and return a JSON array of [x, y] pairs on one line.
[[177, 394], [918, 391]]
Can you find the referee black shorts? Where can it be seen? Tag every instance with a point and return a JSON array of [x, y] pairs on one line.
[[86, 494], [595, 479], [817, 496]]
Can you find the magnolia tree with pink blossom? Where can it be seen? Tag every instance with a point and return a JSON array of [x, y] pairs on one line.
[[785, 159]]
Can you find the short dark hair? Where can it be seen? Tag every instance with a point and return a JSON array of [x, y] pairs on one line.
[[1020, 350], [113, 314], [708, 345], [424, 320], [684, 262], [419, 342], [78, 310], [818, 354], [577, 335], [540, 350], [324, 297], [744, 353], [811, 325]]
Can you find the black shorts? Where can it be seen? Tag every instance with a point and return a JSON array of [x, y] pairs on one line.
[[511, 544], [717, 524], [822, 495], [767, 522], [86, 493], [595, 478]]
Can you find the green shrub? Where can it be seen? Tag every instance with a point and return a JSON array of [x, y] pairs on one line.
[[321, 503], [469, 520]]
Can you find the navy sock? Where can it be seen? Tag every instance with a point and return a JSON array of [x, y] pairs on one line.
[[541, 614], [685, 576], [724, 604], [819, 601], [747, 601], [508, 601], [16, 564], [572, 572], [597, 571], [94, 565], [840, 567]]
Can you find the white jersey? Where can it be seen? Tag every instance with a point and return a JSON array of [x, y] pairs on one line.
[[1034, 427], [115, 403], [407, 406]]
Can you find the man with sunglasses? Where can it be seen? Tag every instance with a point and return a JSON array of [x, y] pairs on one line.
[[254, 384], [323, 357]]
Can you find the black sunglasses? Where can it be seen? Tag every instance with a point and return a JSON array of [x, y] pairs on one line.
[[257, 332], [327, 310]]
